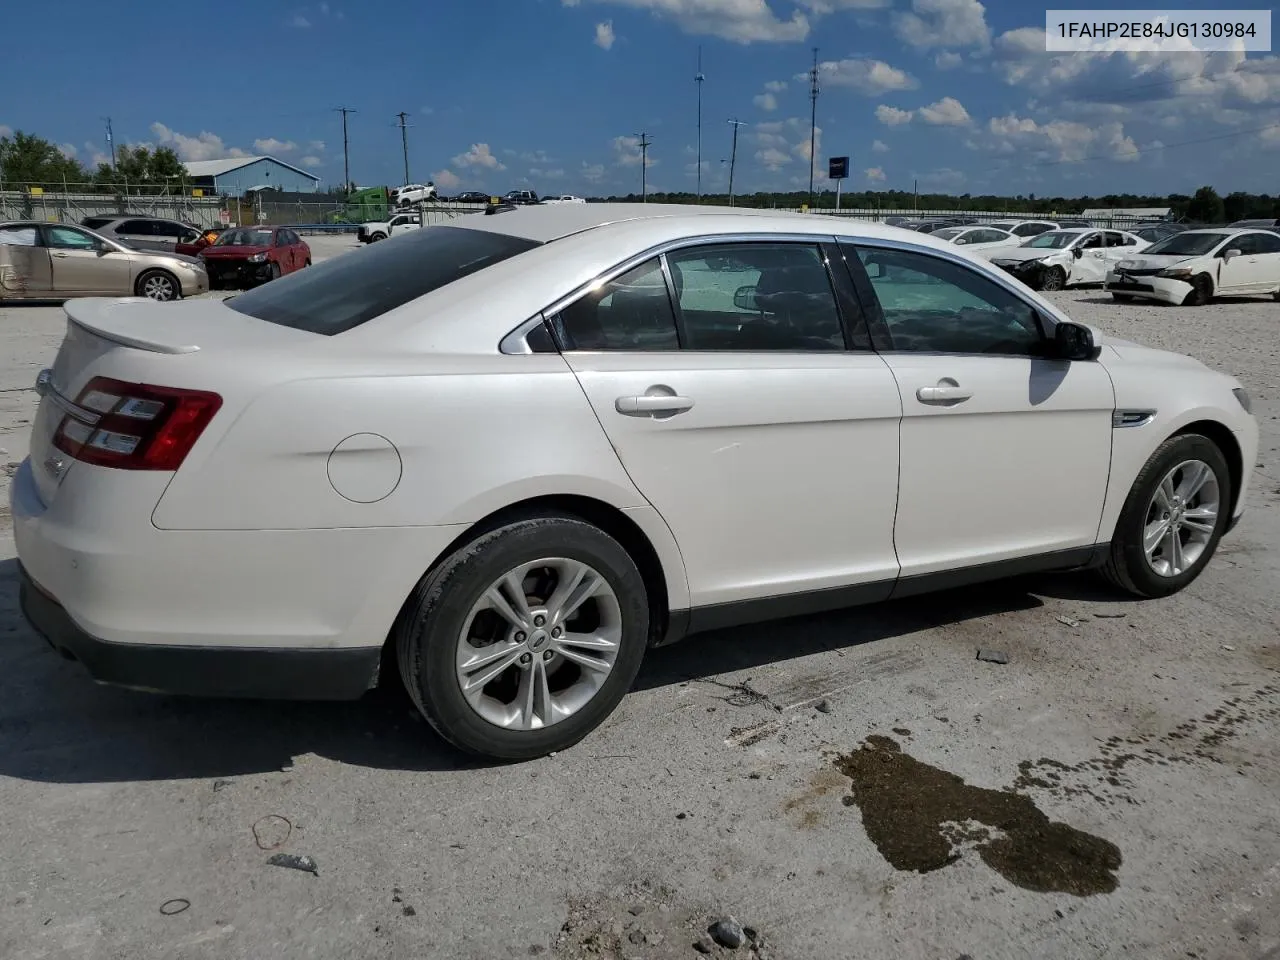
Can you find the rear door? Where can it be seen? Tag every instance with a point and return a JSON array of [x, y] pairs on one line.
[[25, 269], [82, 266], [140, 234], [1248, 272], [753, 416]]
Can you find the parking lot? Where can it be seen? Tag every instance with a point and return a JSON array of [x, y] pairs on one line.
[[1111, 790]]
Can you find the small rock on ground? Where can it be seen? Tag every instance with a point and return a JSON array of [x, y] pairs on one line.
[[728, 932]]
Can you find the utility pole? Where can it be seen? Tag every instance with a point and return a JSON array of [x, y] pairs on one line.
[[346, 162], [111, 143], [404, 143], [698, 80], [733, 155], [813, 121], [644, 166], [915, 193]]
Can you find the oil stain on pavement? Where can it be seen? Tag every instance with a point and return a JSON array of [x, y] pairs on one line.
[[919, 817]]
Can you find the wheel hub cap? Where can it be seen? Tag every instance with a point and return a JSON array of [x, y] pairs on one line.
[[1181, 518]]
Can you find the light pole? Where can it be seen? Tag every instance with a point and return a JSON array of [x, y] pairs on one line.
[[733, 155], [404, 143], [699, 80], [644, 166], [813, 121]]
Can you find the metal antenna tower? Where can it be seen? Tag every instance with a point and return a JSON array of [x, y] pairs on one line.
[[813, 121], [733, 155], [111, 143], [346, 164], [699, 81], [404, 143], [644, 166]]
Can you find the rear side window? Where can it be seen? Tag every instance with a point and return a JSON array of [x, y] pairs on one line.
[[138, 228], [93, 223], [347, 291]]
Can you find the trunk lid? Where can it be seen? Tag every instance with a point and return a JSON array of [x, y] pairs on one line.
[[137, 340]]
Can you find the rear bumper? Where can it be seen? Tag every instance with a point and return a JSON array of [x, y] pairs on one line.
[[280, 674]]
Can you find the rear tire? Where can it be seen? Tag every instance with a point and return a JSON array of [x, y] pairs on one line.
[[1201, 292], [275, 272], [436, 634], [1129, 564]]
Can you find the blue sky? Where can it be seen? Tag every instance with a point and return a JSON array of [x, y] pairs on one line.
[[957, 94]]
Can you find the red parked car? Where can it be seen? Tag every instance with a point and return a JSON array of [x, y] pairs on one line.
[[207, 236], [245, 256]]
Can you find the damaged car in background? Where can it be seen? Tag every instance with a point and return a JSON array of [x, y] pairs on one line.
[[1060, 258], [248, 256], [1193, 267]]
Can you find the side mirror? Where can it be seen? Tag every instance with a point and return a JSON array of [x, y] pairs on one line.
[[961, 241], [1074, 341], [1078, 252], [744, 298], [1229, 254]]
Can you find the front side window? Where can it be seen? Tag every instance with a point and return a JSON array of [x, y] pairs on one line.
[[630, 312], [68, 238], [932, 305], [1246, 244], [345, 292], [756, 296]]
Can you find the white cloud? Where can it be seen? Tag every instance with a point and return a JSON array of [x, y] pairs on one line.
[[479, 156], [773, 158], [947, 112], [875, 175], [592, 172], [604, 35], [776, 86], [834, 6], [427, 111], [68, 150], [446, 179], [944, 23], [627, 153], [739, 21], [5, 131], [539, 157], [947, 60], [1059, 140], [892, 116], [766, 102], [879, 146], [272, 145], [316, 146], [868, 77], [556, 174], [944, 179], [203, 146], [299, 21], [781, 141], [310, 162]]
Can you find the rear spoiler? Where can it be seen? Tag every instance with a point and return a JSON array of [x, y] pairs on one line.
[[130, 326]]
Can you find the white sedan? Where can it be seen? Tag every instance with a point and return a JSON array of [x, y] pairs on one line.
[[517, 454], [563, 198], [1193, 267], [978, 238], [1060, 258]]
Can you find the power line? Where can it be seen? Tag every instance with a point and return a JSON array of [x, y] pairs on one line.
[[346, 161], [644, 166], [404, 143], [733, 156]]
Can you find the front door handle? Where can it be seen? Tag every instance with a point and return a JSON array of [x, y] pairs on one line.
[[645, 405], [946, 394], [60, 256]]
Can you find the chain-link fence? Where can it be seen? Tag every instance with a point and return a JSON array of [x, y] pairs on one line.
[[71, 207]]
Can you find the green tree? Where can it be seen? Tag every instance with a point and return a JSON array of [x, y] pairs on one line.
[[26, 158], [141, 170], [1206, 206]]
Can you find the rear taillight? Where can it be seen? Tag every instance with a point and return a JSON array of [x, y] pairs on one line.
[[135, 426]]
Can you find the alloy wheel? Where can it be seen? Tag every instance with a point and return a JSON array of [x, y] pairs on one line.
[[539, 644], [158, 287], [1181, 518]]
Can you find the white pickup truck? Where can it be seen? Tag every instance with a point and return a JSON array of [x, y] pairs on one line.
[[381, 229]]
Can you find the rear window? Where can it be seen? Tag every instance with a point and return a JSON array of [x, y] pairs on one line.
[[93, 223], [354, 288]]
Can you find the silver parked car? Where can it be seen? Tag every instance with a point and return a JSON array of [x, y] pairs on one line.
[[144, 233], [56, 261]]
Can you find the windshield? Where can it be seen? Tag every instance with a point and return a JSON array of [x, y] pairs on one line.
[[1186, 244], [1054, 240], [349, 290], [245, 238], [948, 233]]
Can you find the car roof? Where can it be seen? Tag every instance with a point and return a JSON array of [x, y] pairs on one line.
[[551, 222]]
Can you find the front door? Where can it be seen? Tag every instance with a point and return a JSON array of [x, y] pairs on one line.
[[1091, 265], [83, 266], [25, 270], [1004, 455], [767, 445]]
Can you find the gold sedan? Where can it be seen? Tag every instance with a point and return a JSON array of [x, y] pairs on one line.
[[55, 261]]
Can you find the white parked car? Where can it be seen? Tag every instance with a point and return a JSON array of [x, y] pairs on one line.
[[518, 453], [1024, 228], [978, 238], [564, 198], [1197, 265], [1060, 258], [376, 230], [413, 193]]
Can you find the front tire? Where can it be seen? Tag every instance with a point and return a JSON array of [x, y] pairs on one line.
[[1173, 518], [523, 641], [158, 285], [1201, 292], [1055, 278], [375, 237]]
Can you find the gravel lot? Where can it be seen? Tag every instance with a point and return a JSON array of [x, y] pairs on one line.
[[1140, 738]]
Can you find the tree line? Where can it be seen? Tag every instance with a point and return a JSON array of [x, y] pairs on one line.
[[30, 160]]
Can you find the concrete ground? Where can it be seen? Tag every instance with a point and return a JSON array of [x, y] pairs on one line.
[[800, 776]]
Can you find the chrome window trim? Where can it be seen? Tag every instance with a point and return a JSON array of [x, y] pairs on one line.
[[658, 250]]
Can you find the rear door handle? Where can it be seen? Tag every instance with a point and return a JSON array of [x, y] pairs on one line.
[[55, 253], [946, 393], [645, 405]]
